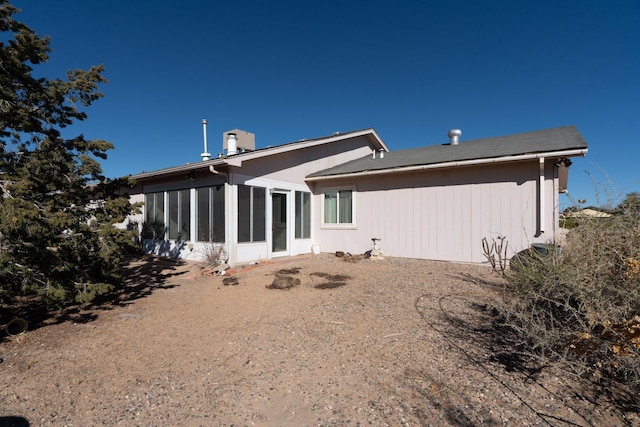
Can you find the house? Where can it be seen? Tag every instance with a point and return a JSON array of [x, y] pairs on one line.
[[587, 213], [337, 193]]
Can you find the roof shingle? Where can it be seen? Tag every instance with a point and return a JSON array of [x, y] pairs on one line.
[[542, 141]]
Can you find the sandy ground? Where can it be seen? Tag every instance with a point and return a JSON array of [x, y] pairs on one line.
[[387, 342]]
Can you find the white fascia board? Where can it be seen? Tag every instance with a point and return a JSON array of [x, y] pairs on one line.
[[177, 169], [493, 160]]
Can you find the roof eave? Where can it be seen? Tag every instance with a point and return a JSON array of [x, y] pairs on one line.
[[178, 169], [473, 162]]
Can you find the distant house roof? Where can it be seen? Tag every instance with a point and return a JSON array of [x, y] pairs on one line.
[[556, 142], [237, 159], [588, 213]]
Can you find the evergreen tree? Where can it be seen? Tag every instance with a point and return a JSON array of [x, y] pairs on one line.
[[57, 210]]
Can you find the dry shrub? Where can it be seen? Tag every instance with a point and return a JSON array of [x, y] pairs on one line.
[[214, 254], [581, 305]]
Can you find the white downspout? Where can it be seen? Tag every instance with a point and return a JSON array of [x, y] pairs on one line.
[[554, 212], [542, 196], [213, 170]]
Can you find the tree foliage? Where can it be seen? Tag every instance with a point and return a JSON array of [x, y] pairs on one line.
[[57, 210], [630, 205]]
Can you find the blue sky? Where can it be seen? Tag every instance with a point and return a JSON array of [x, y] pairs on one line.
[[288, 70]]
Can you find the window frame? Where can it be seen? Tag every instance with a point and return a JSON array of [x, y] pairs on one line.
[[183, 215], [338, 224], [213, 223], [156, 223], [253, 219], [302, 215]]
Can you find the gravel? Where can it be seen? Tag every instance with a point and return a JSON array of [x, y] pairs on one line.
[[397, 342]]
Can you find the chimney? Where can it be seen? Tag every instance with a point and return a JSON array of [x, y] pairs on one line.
[[454, 136], [205, 155], [232, 144]]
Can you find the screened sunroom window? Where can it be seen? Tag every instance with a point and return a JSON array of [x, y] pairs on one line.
[[303, 215], [179, 215], [154, 216], [251, 214], [210, 214]]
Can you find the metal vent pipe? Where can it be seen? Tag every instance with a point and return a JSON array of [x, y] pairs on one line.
[[454, 136], [205, 154], [232, 144]]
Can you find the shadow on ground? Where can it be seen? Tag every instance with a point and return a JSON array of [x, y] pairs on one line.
[[477, 333], [14, 422], [140, 278]]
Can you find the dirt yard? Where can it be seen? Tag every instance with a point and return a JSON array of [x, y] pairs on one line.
[[386, 342]]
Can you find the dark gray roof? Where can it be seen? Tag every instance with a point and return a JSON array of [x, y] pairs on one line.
[[543, 141]]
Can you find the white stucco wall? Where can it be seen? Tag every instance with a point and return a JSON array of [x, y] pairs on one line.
[[283, 172]]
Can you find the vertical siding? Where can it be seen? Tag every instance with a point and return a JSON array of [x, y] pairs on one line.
[[443, 214], [294, 166], [417, 224]]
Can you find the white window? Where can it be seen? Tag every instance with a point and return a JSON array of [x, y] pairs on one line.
[[168, 215], [210, 214], [303, 215], [251, 214], [154, 227], [179, 215], [338, 207]]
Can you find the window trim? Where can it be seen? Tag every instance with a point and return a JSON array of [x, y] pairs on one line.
[[181, 203], [211, 191], [157, 195], [305, 220], [252, 221], [338, 225]]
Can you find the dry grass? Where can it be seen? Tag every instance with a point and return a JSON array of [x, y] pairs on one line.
[[581, 305]]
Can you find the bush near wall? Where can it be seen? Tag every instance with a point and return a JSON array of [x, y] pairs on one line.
[[581, 305]]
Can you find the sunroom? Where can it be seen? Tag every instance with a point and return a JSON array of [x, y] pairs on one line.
[[248, 205]]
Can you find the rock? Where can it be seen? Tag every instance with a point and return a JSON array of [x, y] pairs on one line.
[[281, 281], [353, 258], [221, 268], [233, 281]]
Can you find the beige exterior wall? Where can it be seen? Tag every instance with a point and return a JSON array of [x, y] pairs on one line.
[[443, 214], [294, 166], [440, 214]]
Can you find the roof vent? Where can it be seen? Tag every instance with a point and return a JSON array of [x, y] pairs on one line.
[[244, 140], [454, 136], [232, 144], [205, 154]]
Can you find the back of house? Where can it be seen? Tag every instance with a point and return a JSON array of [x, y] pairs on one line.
[[337, 193]]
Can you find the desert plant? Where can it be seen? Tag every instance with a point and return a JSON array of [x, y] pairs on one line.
[[496, 252], [581, 305], [214, 254]]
